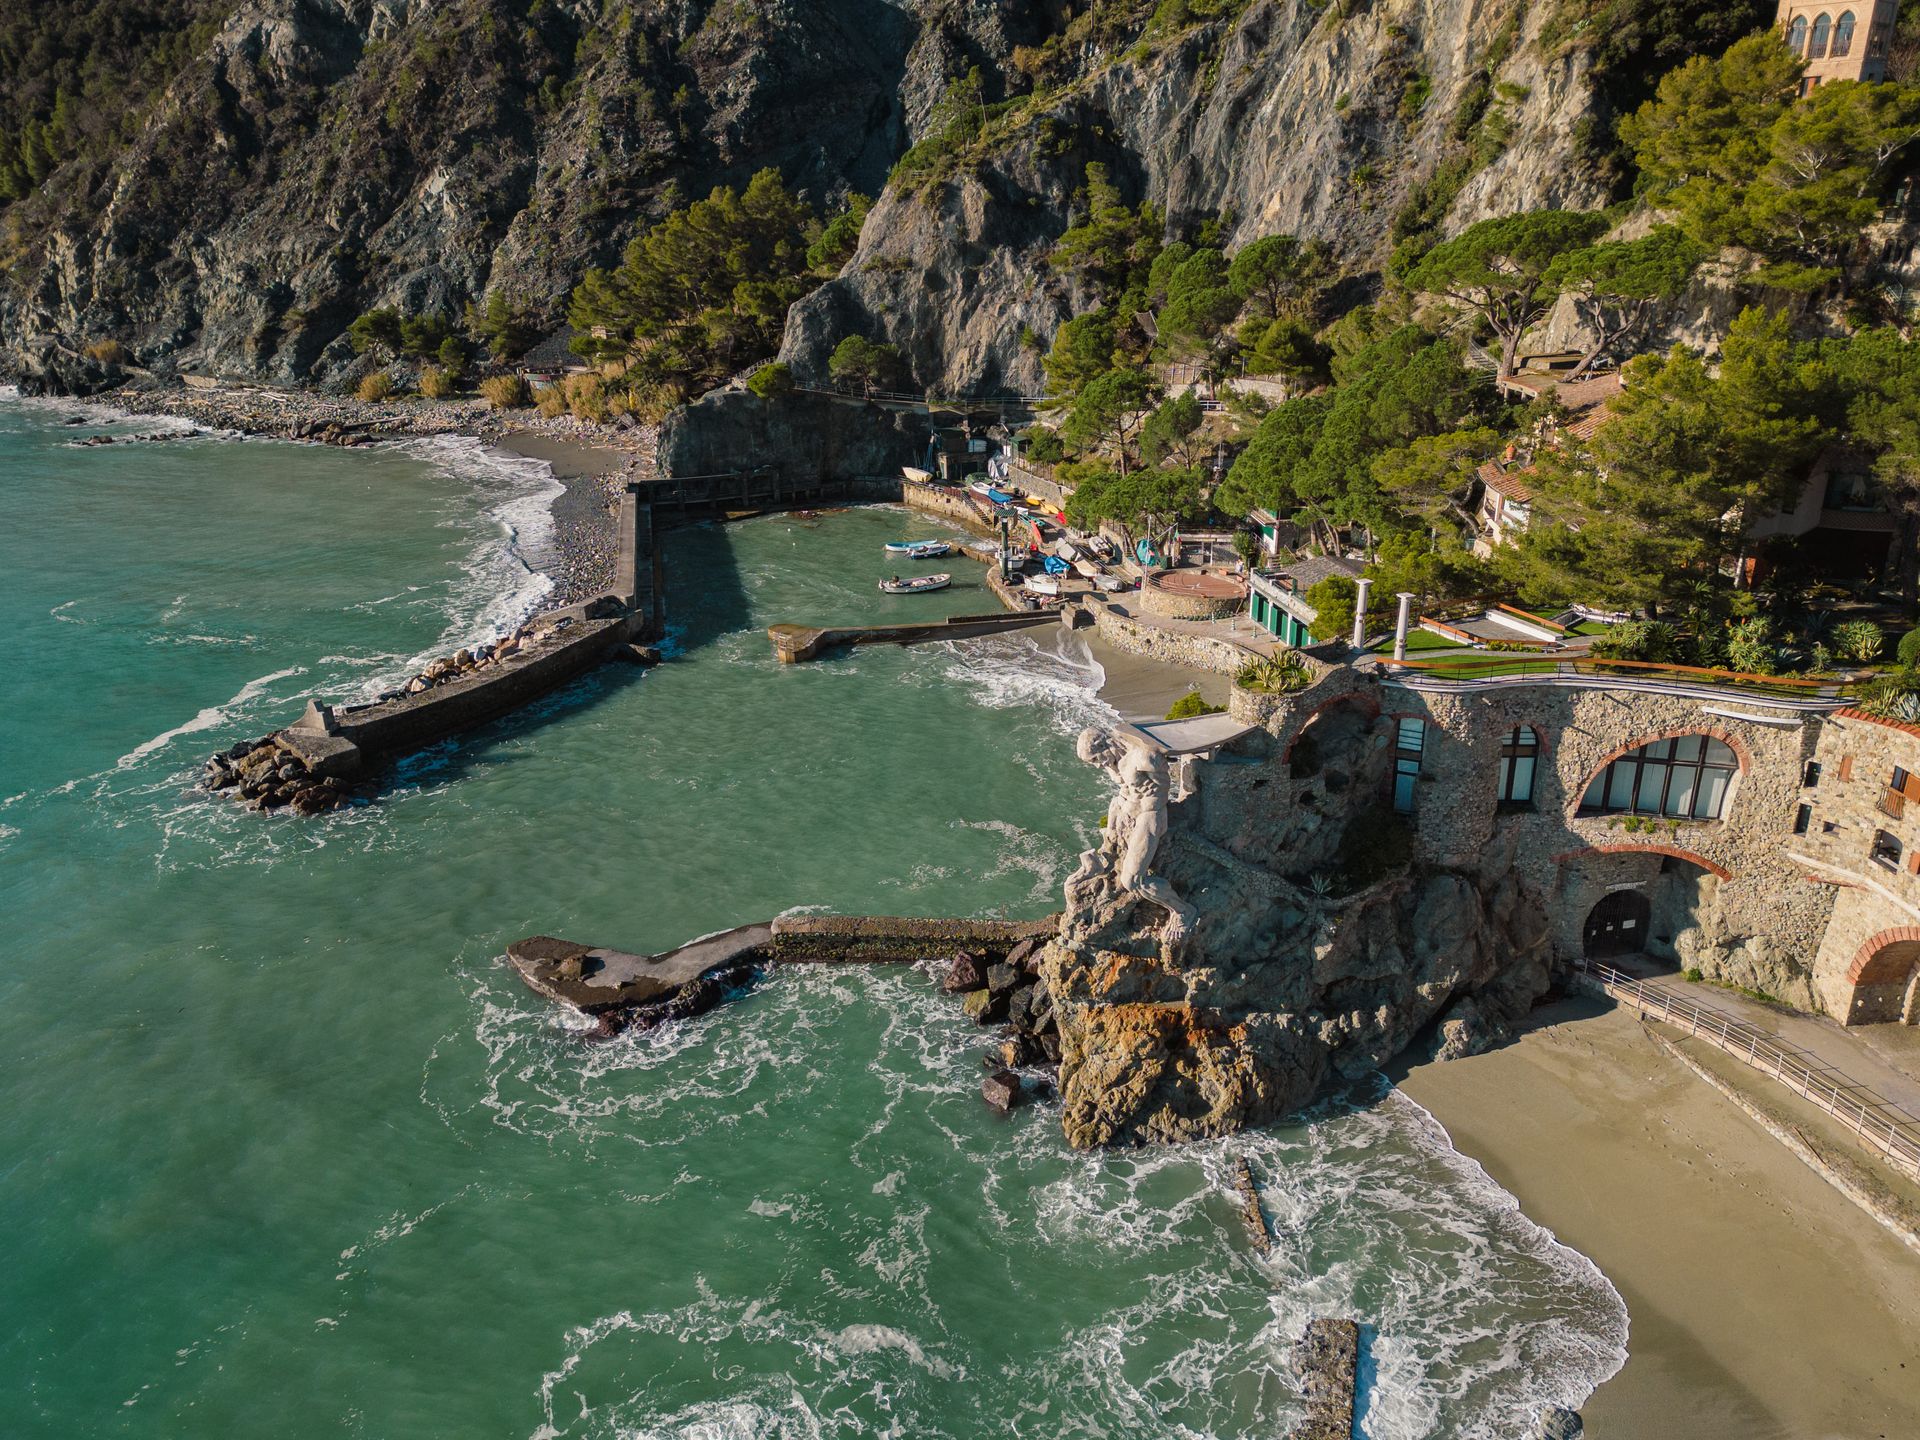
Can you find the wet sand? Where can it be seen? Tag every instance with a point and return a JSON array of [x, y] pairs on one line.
[[1763, 1305]]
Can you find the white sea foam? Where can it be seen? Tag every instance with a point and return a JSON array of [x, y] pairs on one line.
[[209, 718], [506, 503]]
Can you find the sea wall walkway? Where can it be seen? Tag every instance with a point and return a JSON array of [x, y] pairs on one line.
[[1879, 1124]]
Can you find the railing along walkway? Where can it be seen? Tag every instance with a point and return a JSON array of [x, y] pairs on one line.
[[1877, 1123]]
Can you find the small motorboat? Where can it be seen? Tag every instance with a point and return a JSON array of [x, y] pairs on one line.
[[918, 585], [917, 475], [981, 487], [1043, 585], [919, 549]]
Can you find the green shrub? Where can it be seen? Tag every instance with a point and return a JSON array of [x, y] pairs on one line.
[[1859, 640], [772, 380], [1279, 674], [1909, 651], [1043, 447], [506, 392], [375, 387], [1652, 641], [1192, 704]]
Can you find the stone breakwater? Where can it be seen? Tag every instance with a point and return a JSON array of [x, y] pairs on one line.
[[264, 774], [621, 991], [320, 762]]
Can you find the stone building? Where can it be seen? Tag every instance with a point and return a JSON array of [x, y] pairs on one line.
[[1840, 39], [1768, 841]]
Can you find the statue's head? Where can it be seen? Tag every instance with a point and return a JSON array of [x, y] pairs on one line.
[[1099, 747]]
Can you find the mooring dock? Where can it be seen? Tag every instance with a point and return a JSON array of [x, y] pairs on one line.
[[795, 643]]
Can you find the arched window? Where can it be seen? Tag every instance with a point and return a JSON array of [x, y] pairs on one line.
[[1519, 754], [1686, 778], [1797, 35], [1818, 49], [1843, 33]]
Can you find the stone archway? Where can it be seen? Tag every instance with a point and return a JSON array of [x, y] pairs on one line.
[[1882, 975], [1617, 925]]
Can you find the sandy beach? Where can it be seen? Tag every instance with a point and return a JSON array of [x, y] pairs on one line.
[[1143, 689], [1763, 1305]]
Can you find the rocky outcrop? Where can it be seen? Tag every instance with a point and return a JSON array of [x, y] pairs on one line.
[[1313, 955], [815, 439]]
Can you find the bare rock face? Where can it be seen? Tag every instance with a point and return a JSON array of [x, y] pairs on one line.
[[1315, 950], [1290, 118]]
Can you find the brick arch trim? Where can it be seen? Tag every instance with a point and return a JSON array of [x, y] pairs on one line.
[[1885, 959], [1672, 851], [1359, 697], [1743, 757]]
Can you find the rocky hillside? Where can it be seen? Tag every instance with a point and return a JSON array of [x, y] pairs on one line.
[[315, 159]]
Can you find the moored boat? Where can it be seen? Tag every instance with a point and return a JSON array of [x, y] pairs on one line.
[[919, 549], [917, 585]]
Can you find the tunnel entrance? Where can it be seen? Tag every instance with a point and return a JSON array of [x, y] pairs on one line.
[[1617, 926]]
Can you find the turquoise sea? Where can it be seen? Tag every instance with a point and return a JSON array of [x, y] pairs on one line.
[[284, 1150]]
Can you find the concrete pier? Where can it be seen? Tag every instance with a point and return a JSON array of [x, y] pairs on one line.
[[795, 643], [604, 982]]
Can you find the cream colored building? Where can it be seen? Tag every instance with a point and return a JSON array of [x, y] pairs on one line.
[[1840, 39]]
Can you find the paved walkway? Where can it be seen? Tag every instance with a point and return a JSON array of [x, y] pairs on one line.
[[1863, 1058]]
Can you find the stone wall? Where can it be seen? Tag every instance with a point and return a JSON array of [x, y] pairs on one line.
[[1175, 647], [956, 507], [1745, 899], [1172, 605], [816, 440], [1850, 806]]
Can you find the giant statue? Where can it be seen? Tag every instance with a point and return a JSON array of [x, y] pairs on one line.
[[1120, 871]]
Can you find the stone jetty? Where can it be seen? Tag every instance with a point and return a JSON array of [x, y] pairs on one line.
[[621, 990], [1328, 1359], [324, 758]]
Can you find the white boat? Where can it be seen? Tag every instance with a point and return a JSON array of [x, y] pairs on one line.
[[1043, 584], [919, 549], [917, 585], [917, 475]]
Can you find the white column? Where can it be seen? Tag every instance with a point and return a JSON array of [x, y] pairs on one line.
[[1400, 626], [1360, 613]]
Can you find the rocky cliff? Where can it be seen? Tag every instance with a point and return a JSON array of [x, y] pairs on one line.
[[1324, 121], [319, 158]]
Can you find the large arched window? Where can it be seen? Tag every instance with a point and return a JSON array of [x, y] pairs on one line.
[[1843, 33], [1797, 35], [1818, 49], [1687, 778], [1519, 754]]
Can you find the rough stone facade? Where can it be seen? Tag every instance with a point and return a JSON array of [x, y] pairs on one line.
[[1862, 841], [1326, 934]]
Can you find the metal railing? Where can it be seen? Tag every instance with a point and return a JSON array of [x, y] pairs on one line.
[[1519, 667], [1876, 1122]]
